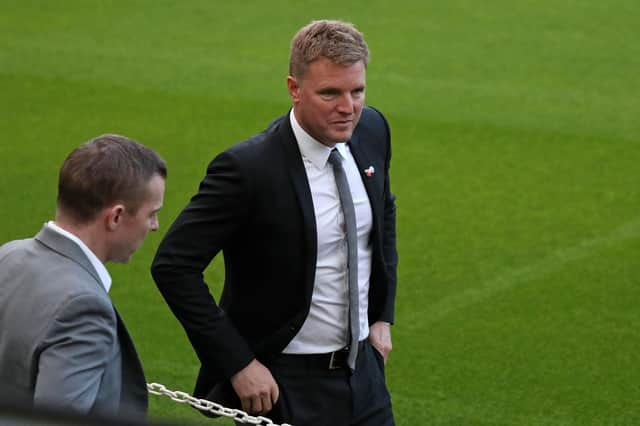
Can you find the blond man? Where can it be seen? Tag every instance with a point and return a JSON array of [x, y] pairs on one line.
[[305, 218]]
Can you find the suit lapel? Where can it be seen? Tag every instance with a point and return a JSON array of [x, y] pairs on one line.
[[298, 176], [363, 162], [134, 390], [300, 183], [68, 249]]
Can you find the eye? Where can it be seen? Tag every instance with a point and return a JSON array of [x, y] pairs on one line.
[[357, 93], [328, 94]]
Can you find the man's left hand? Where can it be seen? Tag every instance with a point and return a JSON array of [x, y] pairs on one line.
[[380, 338]]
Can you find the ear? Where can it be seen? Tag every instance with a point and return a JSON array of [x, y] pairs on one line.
[[294, 89], [113, 216]]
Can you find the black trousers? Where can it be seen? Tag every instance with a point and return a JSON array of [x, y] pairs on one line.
[[311, 394]]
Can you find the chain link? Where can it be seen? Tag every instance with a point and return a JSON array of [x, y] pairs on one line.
[[212, 407]]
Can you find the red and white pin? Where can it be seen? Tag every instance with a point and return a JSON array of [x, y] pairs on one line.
[[370, 171]]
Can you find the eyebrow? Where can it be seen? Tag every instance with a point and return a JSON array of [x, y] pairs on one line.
[[329, 90], [335, 90]]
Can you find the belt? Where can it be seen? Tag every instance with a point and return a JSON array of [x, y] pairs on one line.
[[328, 361]]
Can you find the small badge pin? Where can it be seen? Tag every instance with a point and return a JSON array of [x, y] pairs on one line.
[[370, 171]]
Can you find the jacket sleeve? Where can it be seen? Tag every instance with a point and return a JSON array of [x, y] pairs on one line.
[[198, 234], [79, 345], [389, 247]]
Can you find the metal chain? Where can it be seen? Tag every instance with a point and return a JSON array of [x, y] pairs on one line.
[[212, 407]]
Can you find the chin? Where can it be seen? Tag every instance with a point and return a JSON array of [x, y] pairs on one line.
[[124, 258], [346, 134], [340, 137]]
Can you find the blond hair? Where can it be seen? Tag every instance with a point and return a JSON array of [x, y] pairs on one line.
[[338, 41]]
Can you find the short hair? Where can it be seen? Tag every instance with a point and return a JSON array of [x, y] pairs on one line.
[[103, 171], [338, 41]]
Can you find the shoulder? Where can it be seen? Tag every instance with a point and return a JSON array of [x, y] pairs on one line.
[[16, 247], [26, 258], [42, 276], [373, 114], [253, 151], [373, 124], [263, 141], [48, 293]]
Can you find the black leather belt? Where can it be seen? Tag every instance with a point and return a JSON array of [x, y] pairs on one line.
[[329, 361]]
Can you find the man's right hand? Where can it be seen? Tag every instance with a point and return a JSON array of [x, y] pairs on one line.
[[256, 387]]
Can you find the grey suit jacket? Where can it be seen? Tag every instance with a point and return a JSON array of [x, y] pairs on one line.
[[62, 343]]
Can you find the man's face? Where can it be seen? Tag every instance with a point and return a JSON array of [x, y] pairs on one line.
[[134, 228], [328, 99]]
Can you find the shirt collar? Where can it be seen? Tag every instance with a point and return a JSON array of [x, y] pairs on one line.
[[105, 278], [317, 153]]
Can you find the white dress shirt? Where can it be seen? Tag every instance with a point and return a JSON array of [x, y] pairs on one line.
[[326, 328], [105, 278]]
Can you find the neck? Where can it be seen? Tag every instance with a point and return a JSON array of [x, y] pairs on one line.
[[305, 130], [87, 233]]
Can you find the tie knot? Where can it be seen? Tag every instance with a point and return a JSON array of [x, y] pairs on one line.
[[335, 159]]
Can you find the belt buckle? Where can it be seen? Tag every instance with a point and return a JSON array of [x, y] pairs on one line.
[[332, 363]]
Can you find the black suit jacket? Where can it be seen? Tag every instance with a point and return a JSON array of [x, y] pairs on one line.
[[255, 205]]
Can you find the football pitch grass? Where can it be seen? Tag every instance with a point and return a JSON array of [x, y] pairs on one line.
[[516, 137]]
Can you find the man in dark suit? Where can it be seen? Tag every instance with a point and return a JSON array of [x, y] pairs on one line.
[[63, 346], [305, 275]]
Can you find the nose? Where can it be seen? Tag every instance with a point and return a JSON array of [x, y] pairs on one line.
[[155, 224], [345, 103]]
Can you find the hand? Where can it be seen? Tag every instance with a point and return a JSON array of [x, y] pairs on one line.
[[256, 387], [380, 338]]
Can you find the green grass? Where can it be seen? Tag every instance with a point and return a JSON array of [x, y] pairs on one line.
[[516, 149]]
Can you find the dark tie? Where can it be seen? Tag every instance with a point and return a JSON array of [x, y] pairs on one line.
[[351, 230]]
